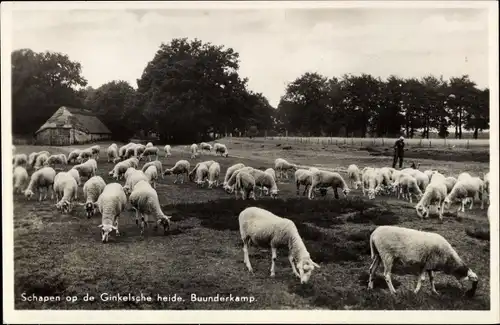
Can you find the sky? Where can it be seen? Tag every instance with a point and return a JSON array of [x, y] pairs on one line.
[[275, 45]]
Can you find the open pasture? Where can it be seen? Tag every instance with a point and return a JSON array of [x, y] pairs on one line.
[[62, 255]]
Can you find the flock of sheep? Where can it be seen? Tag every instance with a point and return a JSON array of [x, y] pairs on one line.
[[387, 243]]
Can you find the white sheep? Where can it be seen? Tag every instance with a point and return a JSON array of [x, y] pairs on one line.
[[129, 150], [132, 179], [123, 150], [230, 171], [119, 169], [192, 173], [139, 149], [245, 185], [205, 146], [53, 160], [111, 203], [384, 176], [91, 191], [41, 181], [112, 153], [144, 200], [354, 175], [264, 180], [327, 179], [65, 190], [133, 162], [303, 177], [429, 173], [271, 172], [73, 156], [180, 168], [466, 190], [430, 251], [213, 175], [152, 175], [20, 159], [221, 149], [408, 186], [201, 174], [167, 149], [463, 176], [282, 166], [96, 151], [149, 144], [76, 175], [129, 172], [84, 155], [40, 160], [435, 193], [370, 183], [194, 150], [229, 187], [450, 182], [20, 179], [157, 164], [87, 169], [150, 152], [263, 228]]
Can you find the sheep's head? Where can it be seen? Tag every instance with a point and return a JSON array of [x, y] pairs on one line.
[[105, 231], [117, 159], [358, 185], [127, 189], [274, 193], [229, 189], [447, 202], [371, 194], [225, 154], [111, 173], [165, 222], [28, 194], [65, 206], [346, 191], [305, 268], [422, 211], [90, 209], [167, 172]]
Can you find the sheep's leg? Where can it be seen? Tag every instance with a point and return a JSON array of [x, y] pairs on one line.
[[364, 191], [409, 196], [40, 195], [136, 216], [246, 259], [419, 282], [290, 258], [471, 203], [481, 197], [116, 225], [235, 193], [273, 259], [441, 211], [387, 273], [431, 279], [373, 269]]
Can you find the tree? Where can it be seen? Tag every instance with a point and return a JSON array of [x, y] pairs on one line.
[[478, 115], [463, 91], [41, 83]]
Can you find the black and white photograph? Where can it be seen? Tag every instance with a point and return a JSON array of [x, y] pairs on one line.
[[328, 159]]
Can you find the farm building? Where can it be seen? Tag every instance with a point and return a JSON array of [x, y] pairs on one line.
[[69, 126]]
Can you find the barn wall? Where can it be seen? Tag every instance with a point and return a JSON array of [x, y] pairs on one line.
[[78, 137], [99, 137], [53, 137]]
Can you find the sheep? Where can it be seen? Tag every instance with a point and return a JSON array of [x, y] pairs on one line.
[[42, 179], [429, 173], [73, 156], [303, 177], [40, 160], [112, 153], [245, 185], [370, 182], [450, 183], [111, 203], [430, 251], [56, 159], [194, 150], [180, 168], [383, 180], [263, 228], [133, 162], [201, 174], [466, 190], [271, 172], [132, 179], [65, 190], [139, 150], [264, 180], [408, 186], [192, 173], [129, 150], [283, 166], [19, 160], [31, 159], [230, 171], [229, 187], [85, 155], [152, 175], [76, 175], [354, 175], [326, 179], [435, 193], [123, 150], [96, 151], [20, 179], [91, 191], [205, 146], [167, 149], [149, 144], [144, 201], [157, 164], [129, 172], [213, 175], [86, 169], [119, 169], [222, 149], [148, 152]]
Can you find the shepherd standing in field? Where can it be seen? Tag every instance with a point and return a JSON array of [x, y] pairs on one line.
[[399, 147]]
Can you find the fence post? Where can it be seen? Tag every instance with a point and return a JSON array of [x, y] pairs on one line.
[[430, 143], [467, 144]]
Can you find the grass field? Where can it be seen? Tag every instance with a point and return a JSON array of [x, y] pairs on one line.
[[62, 255]]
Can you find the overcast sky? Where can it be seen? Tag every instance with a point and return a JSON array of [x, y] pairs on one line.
[[275, 45]]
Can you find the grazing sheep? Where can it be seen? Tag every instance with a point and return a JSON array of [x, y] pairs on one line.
[[129, 172], [271, 172], [384, 176], [112, 153], [435, 193], [119, 169], [31, 159], [408, 186], [133, 162], [450, 183], [229, 187], [144, 200], [152, 175], [76, 175], [230, 171], [129, 150], [149, 144], [167, 149], [73, 156], [180, 168], [327, 179], [65, 190], [157, 164], [201, 174], [20, 179], [263, 228], [205, 146], [192, 173], [150, 152], [139, 149], [354, 175], [132, 179], [466, 190], [194, 150], [42, 179], [87, 169], [282, 166], [303, 177], [123, 150], [111, 203], [53, 160], [370, 182], [19, 160], [463, 176], [264, 180], [40, 160], [429, 173], [91, 191], [430, 251], [245, 185], [221, 149], [96, 151], [84, 155], [213, 175]]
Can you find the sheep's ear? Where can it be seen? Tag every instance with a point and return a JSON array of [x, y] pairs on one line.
[[315, 264], [114, 227], [100, 226]]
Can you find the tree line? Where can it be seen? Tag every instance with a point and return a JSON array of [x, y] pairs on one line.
[[191, 90]]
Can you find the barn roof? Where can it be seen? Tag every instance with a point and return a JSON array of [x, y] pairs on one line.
[[77, 118]]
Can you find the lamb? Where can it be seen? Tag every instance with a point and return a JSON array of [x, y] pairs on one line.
[[192, 173], [180, 168], [283, 166], [431, 251], [222, 149], [213, 175], [194, 150], [40, 160], [152, 175], [466, 190], [230, 171], [167, 150], [383, 180], [149, 144], [245, 185], [42, 179], [65, 190], [229, 187], [148, 152], [112, 153], [354, 175], [263, 228], [205, 146], [157, 164], [76, 175], [144, 200], [303, 177], [119, 170], [19, 160], [20, 178], [201, 174], [87, 169], [139, 149], [96, 151], [53, 160], [111, 203], [435, 193], [73, 156], [91, 191], [271, 172], [370, 182], [85, 155], [264, 180], [408, 186], [326, 179], [132, 179]]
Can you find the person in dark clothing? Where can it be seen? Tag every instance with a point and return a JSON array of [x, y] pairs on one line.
[[399, 148]]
